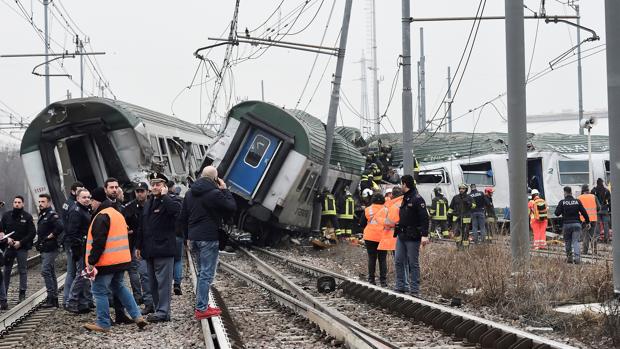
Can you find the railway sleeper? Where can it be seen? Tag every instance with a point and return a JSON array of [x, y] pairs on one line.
[[505, 341], [460, 331], [439, 321], [430, 316], [474, 334], [488, 338]]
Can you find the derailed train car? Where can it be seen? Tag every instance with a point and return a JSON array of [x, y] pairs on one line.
[[90, 139], [271, 159]]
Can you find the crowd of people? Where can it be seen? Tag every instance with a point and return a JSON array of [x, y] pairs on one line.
[[104, 237]]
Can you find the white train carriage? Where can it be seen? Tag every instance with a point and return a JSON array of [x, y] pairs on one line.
[[271, 159], [554, 161], [90, 139]]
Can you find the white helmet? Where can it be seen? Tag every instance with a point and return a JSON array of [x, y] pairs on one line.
[[367, 193], [535, 192]]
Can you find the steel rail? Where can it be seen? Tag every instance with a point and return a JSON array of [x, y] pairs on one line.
[[471, 328], [218, 338], [307, 298], [19, 312], [352, 337]]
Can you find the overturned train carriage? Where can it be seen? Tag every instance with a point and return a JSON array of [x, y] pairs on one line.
[[90, 139], [271, 159]]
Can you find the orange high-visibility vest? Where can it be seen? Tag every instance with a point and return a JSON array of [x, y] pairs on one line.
[[376, 216], [589, 203], [116, 249], [388, 242]]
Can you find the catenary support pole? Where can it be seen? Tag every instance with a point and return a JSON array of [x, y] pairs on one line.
[[612, 28], [449, 101], [375, 73], [262, 90], [47, 66], [333, 110], [422, 92], [517, 147], [81, 48], [579, 76], [407, 99]]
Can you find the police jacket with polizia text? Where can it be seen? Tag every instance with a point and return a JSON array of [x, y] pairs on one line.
[[569, 208], [413, 216], [49, 223], [478, 198], [20, 222]]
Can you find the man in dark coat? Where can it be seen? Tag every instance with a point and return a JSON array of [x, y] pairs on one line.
[[204, 206], [49, 229], [156, 243], [18, 244], [71, 200]]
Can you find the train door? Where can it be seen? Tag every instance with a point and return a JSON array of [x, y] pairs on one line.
[[535, 175], [252, 162]]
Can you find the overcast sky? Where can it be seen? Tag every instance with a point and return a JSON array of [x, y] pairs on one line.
[[149, 59]]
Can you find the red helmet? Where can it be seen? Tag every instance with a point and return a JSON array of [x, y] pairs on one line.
[[488, 190]]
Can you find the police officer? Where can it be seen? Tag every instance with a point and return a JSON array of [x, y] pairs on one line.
[[156, 243], [570, 208], [49, 229], [477, 214], [138, 275], [18, 244], [71, 200], [460, 213], [439, 213], [77, 296], [412, 231]]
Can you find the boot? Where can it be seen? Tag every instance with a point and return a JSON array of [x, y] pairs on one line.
[[148, 309], [4, 305], [56, 305], [122, 318], [49, 303], [22, 296]]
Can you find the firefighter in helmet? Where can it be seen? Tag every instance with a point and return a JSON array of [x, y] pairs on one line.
[[460, 213], [439, 213]]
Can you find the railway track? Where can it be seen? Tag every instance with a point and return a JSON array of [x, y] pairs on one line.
[[23, 318], [465, 329]]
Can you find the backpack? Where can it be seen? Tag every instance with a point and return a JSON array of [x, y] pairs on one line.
[[540, 209]]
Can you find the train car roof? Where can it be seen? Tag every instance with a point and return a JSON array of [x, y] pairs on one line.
[[446, 146], [308, 131], [114, 115]]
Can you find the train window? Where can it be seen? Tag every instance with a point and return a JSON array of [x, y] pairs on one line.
[[480, 173], [607, 172], [573, 171], [433, 176], [340, 184], [303, 180], [314, 189], [303, 197], [257, 150], [203, 150], [164, 157], [175, 154]]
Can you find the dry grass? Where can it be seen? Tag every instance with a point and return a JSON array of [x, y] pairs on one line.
[[482, 276]]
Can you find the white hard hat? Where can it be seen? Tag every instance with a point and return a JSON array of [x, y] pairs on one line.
[[367, 193], [535, 192], [388, 190]]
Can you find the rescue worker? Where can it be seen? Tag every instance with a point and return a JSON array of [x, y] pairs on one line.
[[388, 242], [177, 272], [156, 243], [478, 215], [346, 215], [77, 295], [491, 217], [138, 274], [459, 214], [412, 232], [18, 244], [329, 221], [590, 203], [107, 257], [538, 219], [49, 230], [604, 197], [373, 222], [71, 200], [366, 182], [377, 174], [570, 209], [439, 213]]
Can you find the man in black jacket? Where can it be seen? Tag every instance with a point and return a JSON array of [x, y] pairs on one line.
[[177, 273], [71, 200], [156, 243], [477, 215], [77, 294], [49, 228], [604, 197], [570, 208], [204, 206], [138, 274], [18, 244], [412, 231]]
